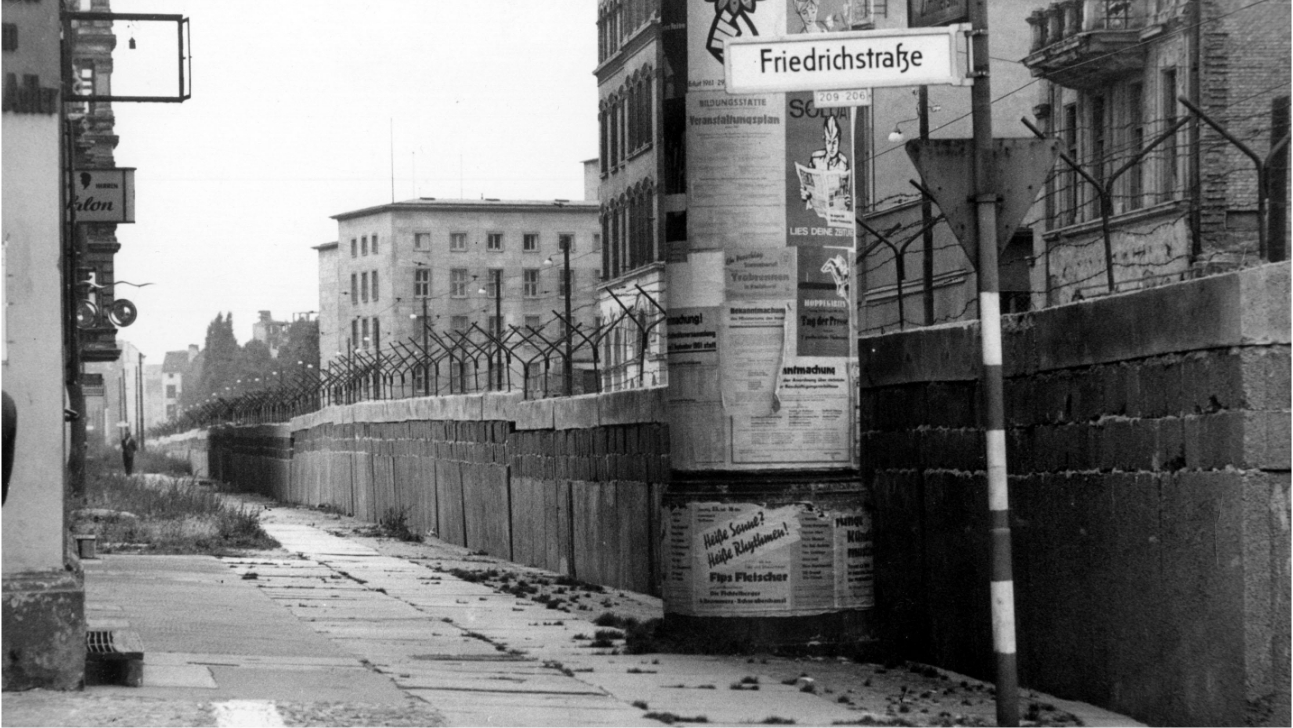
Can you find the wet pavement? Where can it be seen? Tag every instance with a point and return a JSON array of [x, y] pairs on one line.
[[341, 627]]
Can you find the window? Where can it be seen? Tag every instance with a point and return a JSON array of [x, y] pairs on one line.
[[354, 248], [421, 241], [494, 280], [363, 245], [532, 322], [494, 242], [170, 391], [495, 326], [354, 333], [363, 343], [1071, 180], [374, 285], [377, 334], [374, 243], [1136, 127], [530, 282], [457, 241], [354, 289], [1168, 175], [363, 287], [458, 283], [530, 243], [566, 241], [459, 323], [422, 282]]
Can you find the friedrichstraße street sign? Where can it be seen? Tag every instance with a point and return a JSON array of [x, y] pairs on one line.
[[854, 60]]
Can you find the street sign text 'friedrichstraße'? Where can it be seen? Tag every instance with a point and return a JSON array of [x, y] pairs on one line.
[[861, 59]]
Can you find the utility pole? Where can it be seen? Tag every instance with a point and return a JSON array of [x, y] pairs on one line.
[[139, 397], [498, 326], [984, 194], [926, 213]]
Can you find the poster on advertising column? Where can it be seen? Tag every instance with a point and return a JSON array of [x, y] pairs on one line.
[[711, 23], [810, 422], [752, 559], [735, 160], [822, 298], [818, 173]]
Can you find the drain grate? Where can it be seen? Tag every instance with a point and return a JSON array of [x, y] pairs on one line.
[[113, 657]]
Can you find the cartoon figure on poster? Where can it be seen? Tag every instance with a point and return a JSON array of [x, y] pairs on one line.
[[731, 20], [838, 267], [825, 185], [810, 10]]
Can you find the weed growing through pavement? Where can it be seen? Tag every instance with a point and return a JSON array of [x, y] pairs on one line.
[[395, 524]]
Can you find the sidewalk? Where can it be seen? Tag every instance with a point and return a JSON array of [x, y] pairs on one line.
[[342, 628]]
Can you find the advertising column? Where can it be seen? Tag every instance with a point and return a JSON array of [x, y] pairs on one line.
[[766, 516]]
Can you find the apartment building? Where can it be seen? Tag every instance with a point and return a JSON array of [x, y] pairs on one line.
[[490, 263], [1181, 200]]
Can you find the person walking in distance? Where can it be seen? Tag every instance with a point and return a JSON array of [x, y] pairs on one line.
[[128, 447]]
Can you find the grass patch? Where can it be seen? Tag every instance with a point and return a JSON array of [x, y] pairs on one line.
[[161, 516], [167, 517]]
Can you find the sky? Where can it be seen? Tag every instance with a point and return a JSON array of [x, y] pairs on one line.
[[299, 107]]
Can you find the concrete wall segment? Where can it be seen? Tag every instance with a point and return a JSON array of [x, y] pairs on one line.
[[576, 412], [1248, 307]]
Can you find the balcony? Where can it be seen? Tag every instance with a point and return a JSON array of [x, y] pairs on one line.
[[1083, 44]]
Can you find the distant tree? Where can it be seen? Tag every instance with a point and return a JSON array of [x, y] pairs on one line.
[[254, 365], [302, 346], [220, 365]]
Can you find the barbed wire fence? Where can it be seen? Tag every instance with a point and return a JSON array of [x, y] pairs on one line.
[[538, 361], [1089, 198]]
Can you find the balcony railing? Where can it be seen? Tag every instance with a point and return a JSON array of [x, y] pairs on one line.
[[1085, 43]]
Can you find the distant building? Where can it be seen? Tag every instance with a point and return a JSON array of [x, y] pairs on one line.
[[642, 185], [390, 258], [269, 332], [117, 403], [1111, 77]]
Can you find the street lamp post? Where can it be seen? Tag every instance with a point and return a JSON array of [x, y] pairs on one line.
[[567, 370], [498, 324]]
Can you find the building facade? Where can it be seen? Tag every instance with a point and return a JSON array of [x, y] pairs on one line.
[[43, 588], [641, 186], [94, 141], [391, 261], [1180, 199]]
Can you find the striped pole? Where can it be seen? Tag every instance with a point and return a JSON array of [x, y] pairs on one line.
[[985, 198]]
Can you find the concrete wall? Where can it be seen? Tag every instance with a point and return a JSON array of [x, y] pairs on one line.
[[572, 485], [1148, 443]]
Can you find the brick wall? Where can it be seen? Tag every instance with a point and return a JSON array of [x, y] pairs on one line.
[[572, 485], [1148, 446]]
